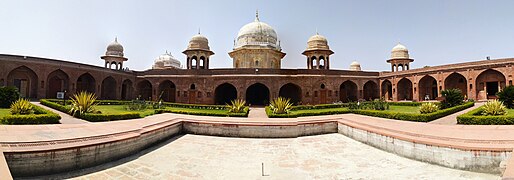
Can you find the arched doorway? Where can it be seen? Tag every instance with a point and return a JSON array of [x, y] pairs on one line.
[[456, 81], [167, 91], [404, 90], [291, 91], [57, 81], [257, 94], [387, 90], [489, 83], [145, 90], [86, 82], [427, 88], [25, 80], [225, 93], [109, 88], [370, 90], [348, 91], [126, 90]]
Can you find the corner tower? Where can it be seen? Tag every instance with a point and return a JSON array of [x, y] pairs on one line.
[[198, 52], [400, 58], [257, 46], [114, 56], [318, 52]]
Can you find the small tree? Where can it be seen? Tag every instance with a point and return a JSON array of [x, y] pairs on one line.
[[506, 95], [8, 95], [452, 97]]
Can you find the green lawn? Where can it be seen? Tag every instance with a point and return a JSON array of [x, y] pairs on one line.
[[4, 112], [404, 109], [303, 111], [510, 112], [117, 109]]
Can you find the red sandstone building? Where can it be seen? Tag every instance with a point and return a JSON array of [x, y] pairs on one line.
[[256, 77]]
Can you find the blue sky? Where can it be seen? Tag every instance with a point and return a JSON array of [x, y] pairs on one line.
[[436, 32]]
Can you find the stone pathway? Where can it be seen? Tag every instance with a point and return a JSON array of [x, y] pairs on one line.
[[65, 118], [452, 118], [330, 156], [257, 112]]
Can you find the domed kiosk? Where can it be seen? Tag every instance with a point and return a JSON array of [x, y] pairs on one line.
[[114, 56], [198, 52], [257, 46], [318, 52], [400, 58]]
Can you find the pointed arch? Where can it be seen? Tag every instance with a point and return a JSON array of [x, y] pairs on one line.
[[57, 81], [488, 83], [257, 94], [167, 90], [404, 90], [126, 89], [291, 91], [370, 89], [86, 82], [144, 88], [109, 88], [427, 87], [224, 93], [25, 79], [387, 90], [348, 91]]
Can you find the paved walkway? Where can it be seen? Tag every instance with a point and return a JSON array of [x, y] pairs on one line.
[[65, 118], [330, 156], [452, 118], [257, 112]]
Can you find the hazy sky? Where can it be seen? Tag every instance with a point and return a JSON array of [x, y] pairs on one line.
[[435, 32]]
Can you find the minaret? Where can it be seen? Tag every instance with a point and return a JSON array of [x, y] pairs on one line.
[[114, 56], [198, 52], [318, 52], [399, 58]]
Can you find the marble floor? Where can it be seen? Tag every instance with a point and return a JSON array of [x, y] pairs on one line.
[[330, 156]]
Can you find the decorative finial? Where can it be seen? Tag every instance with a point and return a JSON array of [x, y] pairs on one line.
[[116, 39], [257, 15], [317, 31], [198, 30]]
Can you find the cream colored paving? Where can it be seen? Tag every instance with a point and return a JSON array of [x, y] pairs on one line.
[[331, 156]]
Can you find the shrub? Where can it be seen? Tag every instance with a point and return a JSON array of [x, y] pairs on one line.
[[95, 117], [83, 102], [137, 105], [21, 107], [236, 106], [205, 113], [452, 97], [475, 117], [494, 108], [506, 95], [8, 95], [376, 104], [281, 105], [426, 108]]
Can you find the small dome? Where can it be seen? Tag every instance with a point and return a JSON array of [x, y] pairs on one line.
[[399, 52], [198, 41], [114, 49], [317, 42], [257, 33], [166, 61], [355, 66]]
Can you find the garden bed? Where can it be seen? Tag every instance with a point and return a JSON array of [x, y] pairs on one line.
[[116, 110], [475, 117], [40, 116], [408, 111]]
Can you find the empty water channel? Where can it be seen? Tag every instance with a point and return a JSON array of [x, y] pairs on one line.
[[329, 156]]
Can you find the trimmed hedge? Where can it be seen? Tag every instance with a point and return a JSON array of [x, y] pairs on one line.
[[201, 113], [109, 117], [474, 117], [40, 116], [383, 114], [320, 106], [270, 113]]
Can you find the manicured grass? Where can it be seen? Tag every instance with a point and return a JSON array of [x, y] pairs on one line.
[[317, 111], [510, 112], [117, 109], [404, 109], [4, 112]]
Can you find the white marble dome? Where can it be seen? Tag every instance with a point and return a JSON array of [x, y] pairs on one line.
[[399, 52], [198, 41], [317, 42], [166, 61], [257, 33], [114, 49], [355, 66]]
